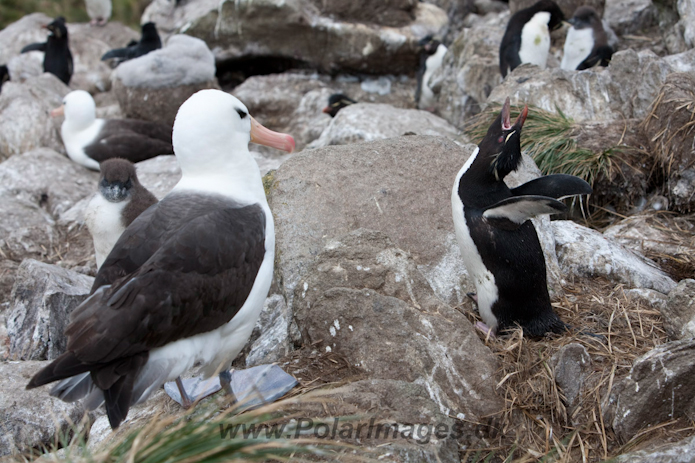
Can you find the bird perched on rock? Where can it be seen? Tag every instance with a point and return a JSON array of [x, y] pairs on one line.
[[185, 283], [586, 44], [527, 38], [149, 41], [431, 56], [4, 75], [89, 140], [119, 200], [498, 242], [99, 11], [57, 57], [336, 102]]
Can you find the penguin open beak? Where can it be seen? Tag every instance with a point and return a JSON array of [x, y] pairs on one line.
[[506, 120], [60, 111], [267, 137], [522, 118]]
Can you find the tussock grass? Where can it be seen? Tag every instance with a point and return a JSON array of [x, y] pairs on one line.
[[537, 425], [549, 138], [125, 11]]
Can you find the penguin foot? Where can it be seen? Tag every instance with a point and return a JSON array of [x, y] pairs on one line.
[[252, 387], [486, 330], [473, 297]]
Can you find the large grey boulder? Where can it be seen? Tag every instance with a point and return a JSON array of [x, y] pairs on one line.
[[25, 123], [36, 188], [153, 86], [582, 252], [686, 11], [31, 419], [679, 452], [364, 299], [470, 70], [42, 299], [679, 311], [660, 387], [568, 7], [400, 186], [369, 122], [624, 89], [301, 32], [630, 16]]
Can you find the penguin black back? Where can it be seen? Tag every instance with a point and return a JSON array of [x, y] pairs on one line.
[[511, 41], [149, 41], [57, 59]]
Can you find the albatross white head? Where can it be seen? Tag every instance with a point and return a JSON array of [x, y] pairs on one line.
[[211, 135], [79, 110]]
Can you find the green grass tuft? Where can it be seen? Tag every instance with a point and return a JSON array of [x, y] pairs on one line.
[[548, 138], [125, 11]]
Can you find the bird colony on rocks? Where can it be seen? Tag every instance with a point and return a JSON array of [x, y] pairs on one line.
[[271, 197]]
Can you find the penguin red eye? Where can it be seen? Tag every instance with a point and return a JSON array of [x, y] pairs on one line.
[[500, 139]]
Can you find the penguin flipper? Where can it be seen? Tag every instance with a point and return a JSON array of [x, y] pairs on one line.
[[601, 56], [121, 53], [511, 213], [34, 47], [554, 186]]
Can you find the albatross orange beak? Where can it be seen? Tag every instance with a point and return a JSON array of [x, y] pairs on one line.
[[60, 111], [267, 137]]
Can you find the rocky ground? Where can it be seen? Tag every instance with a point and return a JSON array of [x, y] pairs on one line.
[[368, 305]]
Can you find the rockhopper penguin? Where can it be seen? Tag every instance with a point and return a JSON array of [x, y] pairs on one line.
[[498, 242], [587, 42], [431, 57], [527, 38], [149, 41], [57, 58], [336, 102]]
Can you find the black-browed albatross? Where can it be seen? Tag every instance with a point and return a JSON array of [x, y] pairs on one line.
[[186, 281]]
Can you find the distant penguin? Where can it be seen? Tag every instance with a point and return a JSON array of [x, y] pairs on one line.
[[527, 38], [498, 242], [336, 102], [431, 57], [57, 58], [119, 200], [89, 140], [4, 75], [587, 42], [149, 41], [99, 11]]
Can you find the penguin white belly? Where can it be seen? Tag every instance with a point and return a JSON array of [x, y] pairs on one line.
[[98, 9], [484, 280], [578, 46], [535, 43], [103, 219], [76, 140], [432, 63]]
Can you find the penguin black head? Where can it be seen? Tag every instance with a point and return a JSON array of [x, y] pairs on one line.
[[429, 44], [336, 102], [57, 28], [117, 179], [149, 30], [502, 143], [584, 17], [556, 15]]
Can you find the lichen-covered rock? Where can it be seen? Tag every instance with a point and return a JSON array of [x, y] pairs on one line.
[[679, 452], [624, 89], [583, 252], [365, 299], [153, 87], [30, 419], [686, 11], [25, 123], [660, 387], [630, 16], [301, 32], [42, 299], [369, 122], [679, 311]]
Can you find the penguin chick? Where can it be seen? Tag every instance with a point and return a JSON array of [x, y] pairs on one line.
[[119, 200], [99, 11], [527, 38], [336, 102], [431, 56], [57, 57], [149, 41], [587, 42], [499, 244]]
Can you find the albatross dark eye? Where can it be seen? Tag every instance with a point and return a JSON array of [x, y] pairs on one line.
[[241, 113]]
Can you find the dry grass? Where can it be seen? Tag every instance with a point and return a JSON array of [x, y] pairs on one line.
[[537, 424]]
